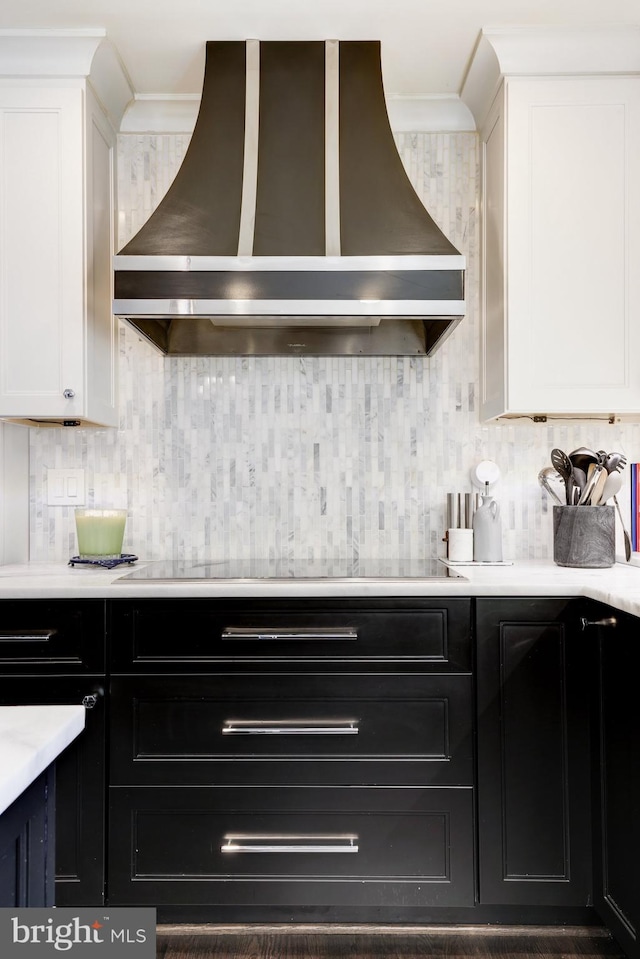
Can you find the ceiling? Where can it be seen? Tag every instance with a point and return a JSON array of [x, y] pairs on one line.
[[426, 44]]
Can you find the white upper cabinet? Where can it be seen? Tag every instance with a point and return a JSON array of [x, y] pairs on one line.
[[560, 297], [58, 337]]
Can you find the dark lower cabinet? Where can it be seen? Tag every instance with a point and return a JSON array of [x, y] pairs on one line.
[[301, 760], [533, 682], [617, 767], [314, 761], [27, 846]]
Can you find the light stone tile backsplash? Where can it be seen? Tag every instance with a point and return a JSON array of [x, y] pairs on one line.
[[319, 457]]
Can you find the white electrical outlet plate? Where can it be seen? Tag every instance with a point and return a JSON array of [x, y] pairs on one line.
[[65, 487]]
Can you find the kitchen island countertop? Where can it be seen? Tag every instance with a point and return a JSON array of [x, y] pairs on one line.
[[31, 738], [617, 586]]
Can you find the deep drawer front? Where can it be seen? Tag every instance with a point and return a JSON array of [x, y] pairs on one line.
[[169, 635], [301, 846], [52, 636], [292, 728]]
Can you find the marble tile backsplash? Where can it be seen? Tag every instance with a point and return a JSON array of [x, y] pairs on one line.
[[319, 457]]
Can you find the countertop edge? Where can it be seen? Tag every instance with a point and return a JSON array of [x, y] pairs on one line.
[[617, 586], [31, 738]]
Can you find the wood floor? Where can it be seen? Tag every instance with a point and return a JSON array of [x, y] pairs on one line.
[[382, 942]]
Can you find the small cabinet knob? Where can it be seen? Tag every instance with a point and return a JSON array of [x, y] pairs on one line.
[[91, 700], [69, 394]]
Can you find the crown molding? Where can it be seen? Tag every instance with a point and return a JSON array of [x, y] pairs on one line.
[[48, 53], [111, 83], [157, 114], [161, 113], [605, 49], [437, 114], [69, 54]]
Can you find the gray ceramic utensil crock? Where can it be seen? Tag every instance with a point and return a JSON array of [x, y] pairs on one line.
[[584, 536]]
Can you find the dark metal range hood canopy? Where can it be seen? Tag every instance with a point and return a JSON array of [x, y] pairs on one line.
[[291, 226]]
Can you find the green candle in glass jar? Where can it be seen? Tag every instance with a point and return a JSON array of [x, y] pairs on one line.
[[100, 532]]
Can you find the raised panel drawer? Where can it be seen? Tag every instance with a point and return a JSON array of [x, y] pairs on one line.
[[292, 728], [182, 633], [52, 636], [296, 846]]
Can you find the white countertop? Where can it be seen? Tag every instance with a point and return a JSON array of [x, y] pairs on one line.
[[31, 737], [618, 586]]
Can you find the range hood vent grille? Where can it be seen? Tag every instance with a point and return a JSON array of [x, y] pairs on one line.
[[291, 202]]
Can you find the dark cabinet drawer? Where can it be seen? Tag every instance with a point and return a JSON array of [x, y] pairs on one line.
[[178, 634], [315, 846], [52, 636], [292, 728]]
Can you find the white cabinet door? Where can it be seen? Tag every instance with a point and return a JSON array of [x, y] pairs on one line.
[[48, 231], [561, 279]]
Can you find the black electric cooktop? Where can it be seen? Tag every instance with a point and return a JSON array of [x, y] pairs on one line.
[[288, 569]]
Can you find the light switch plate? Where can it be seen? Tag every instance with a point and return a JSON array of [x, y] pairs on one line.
[[65, 487]]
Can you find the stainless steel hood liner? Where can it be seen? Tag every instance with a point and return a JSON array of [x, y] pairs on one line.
[[291, 211]]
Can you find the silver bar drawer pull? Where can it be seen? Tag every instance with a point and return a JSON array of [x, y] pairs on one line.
[[607, 621], [293, 843], [27, 635], [290, 727], [338, 633]]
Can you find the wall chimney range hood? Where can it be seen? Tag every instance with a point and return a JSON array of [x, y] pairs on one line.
[[291, 226]]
